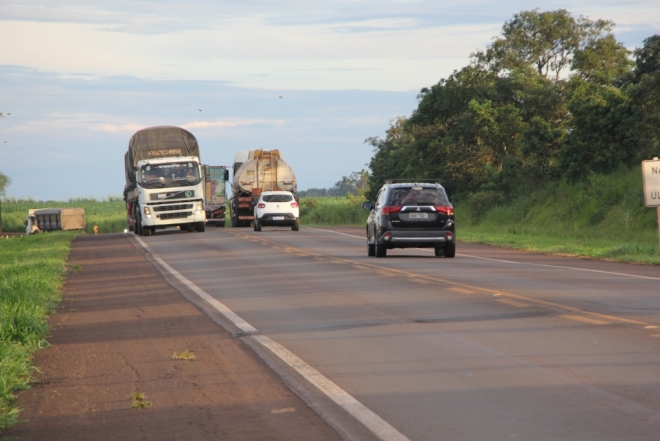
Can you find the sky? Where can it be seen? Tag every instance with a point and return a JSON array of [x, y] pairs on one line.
[[311, 78]]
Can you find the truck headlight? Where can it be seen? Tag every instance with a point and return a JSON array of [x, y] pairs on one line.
[[147, 212], [199, 207]]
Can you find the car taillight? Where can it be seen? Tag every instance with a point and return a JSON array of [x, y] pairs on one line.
[[261, 205], [294, 204], [388, 209], [447, 209]]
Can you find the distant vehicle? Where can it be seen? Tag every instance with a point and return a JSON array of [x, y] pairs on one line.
[[411, 215], [165, 183], [51, 219], [255, 172], [215, 194], [276, 208]]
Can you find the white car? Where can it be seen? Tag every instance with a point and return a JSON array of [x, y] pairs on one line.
[[276, 208]]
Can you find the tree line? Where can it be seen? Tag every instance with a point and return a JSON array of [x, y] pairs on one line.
[[553, 97]]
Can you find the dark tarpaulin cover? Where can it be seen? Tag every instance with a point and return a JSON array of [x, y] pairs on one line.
[[158, 142]]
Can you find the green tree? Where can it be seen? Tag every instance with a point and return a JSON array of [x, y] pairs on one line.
[[546, 41]]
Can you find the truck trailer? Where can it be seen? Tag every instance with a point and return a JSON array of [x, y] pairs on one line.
[[216, 198], [256, 171], [164, 181]]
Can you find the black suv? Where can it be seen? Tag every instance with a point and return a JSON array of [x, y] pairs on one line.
[[410, 215]]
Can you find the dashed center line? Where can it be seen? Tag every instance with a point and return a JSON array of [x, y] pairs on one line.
[[513, 303], [579, 318], [462, 290]]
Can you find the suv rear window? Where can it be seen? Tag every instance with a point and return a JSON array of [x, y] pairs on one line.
[[277, 198], [424, 196]]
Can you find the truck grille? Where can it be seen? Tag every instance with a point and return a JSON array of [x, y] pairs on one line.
[[178, 215], [158, 208]]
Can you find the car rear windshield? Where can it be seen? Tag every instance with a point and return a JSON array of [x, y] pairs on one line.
[[419, 196], [277, 198]]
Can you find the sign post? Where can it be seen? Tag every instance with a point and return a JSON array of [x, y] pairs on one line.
[[651, 176]]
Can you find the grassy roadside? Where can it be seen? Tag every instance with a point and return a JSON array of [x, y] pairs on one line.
[[332, 211], [602, 218], [108, 214], [31, 275]]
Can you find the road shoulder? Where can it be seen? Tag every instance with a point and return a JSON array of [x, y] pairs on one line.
[[115, 334]]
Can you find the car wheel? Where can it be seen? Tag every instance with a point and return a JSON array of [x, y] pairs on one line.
[[296, 226], [450, 250], [257, 226], [371, 250], [381, 251]]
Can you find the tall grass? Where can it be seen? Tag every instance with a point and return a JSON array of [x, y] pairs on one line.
[[332, 210], [31, 274], [108, 214], [603, 217]]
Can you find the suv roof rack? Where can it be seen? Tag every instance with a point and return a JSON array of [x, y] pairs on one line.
[[412, 181]]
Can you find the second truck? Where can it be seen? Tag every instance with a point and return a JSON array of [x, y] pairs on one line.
[[256, 171]]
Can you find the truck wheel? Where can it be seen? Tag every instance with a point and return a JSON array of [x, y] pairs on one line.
[[138, 225], [296, 226], [147, 231], [221, 224], [200, 227]]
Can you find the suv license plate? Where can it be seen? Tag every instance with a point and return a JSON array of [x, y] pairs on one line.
[[278, 217], [419, 215]]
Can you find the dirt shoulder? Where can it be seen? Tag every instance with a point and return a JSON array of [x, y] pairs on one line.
[[115, 334]]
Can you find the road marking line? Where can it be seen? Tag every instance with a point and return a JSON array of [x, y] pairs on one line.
[[368, 266], [384, 273], [656, 335], [513, 303], [381, 428], [422, 281], [376, 424], [462, 290], [514, 262], [584, 319]]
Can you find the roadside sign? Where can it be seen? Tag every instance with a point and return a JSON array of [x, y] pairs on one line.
[[651, 175]]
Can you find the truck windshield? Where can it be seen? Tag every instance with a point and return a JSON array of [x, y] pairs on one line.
[[171, 174]]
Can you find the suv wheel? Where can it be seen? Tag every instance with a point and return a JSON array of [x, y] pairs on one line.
[[450, 250], [381, 251], [371, 250]]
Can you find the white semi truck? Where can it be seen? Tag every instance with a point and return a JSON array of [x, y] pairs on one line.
[[165, 181]]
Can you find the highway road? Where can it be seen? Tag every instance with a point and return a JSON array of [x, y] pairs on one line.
[[491, 345]]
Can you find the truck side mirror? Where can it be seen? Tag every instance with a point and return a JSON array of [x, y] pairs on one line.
[[226, 175], [367, 205], [207, 170]]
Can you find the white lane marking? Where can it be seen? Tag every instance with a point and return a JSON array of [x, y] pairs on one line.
[[381, 428], [518, 263], [231, 315], [563, 267], [372, 421]]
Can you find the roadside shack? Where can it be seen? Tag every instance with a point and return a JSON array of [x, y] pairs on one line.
[[51, 219]]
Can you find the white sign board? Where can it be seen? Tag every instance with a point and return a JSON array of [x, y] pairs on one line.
[[651, 174]]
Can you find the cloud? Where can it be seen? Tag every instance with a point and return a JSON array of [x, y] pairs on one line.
[[229, 124]]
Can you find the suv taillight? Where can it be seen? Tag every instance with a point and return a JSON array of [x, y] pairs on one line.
[[447, 209], [294, 204], [261, 205], [388, 209]]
